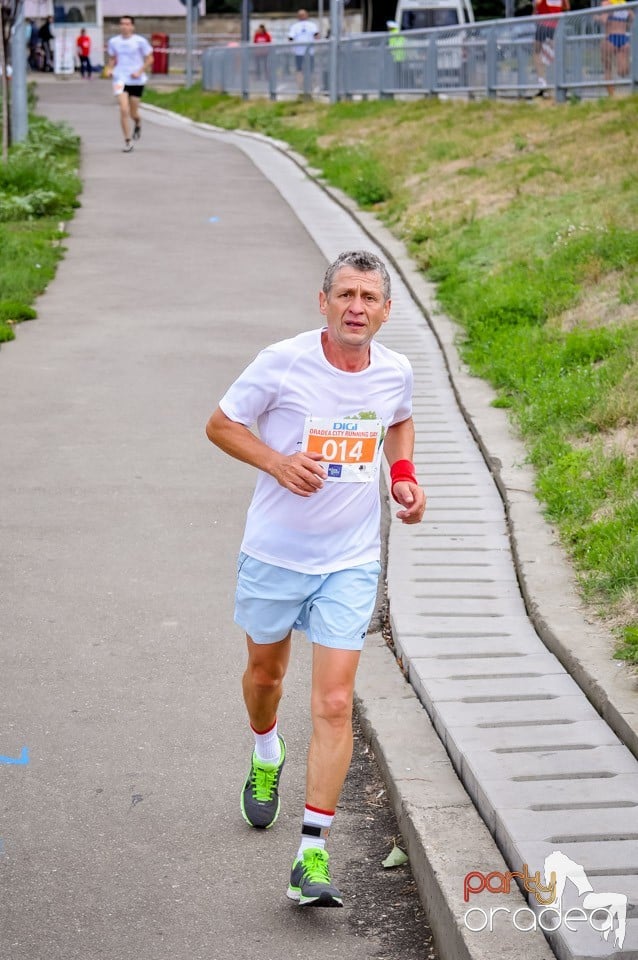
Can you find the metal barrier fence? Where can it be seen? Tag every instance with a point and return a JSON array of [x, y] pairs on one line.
[[578, 53], [172, 58]]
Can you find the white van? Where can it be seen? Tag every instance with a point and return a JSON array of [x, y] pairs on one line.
[[426, 14], [439, 14]]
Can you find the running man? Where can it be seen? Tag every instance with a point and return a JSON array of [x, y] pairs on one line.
[[130, 56], [327, 404], [544, 37]]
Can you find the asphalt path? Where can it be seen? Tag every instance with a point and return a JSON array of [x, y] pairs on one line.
[[121, 835]]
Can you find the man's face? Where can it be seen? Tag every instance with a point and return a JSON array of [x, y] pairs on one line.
[[355, 308], [303, 15], [126, 27]]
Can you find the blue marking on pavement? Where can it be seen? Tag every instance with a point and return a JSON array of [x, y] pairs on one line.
[[213, 219], [19, 761]]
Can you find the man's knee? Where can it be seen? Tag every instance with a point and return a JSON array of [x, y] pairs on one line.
[[333, 706], [263, 677], [264, 673]]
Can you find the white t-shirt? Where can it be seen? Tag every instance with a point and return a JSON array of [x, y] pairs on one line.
[[338, 526], [302, 30], [130, 53]]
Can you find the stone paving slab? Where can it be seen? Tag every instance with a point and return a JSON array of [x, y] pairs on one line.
[[445, 510], [474, 668], [463, 582], [449, 714], [574, 766], [611, 868], [529, 742], [459, 606], [568, 828], [416, 647], [464, 500], [496, 689], [457, 538], [467, 588], [617, 858], [495, 798], [409, 625], [446, 561], [417, 566]]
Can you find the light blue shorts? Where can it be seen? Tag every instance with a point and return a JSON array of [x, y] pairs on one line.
[[333, 609]]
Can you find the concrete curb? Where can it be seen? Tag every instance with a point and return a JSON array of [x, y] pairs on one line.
[[444, 834]]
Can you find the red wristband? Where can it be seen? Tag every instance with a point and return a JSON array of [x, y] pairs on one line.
[[402, 470]]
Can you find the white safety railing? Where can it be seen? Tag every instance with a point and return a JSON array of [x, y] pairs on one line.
[[571, 54]]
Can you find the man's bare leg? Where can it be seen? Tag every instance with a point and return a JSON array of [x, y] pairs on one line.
[[262, 682], [330, 753], [125, 121], [134, 109], [329, 756], [263, 686]]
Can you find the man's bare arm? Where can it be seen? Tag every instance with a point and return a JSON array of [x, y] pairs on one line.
[[399, 445], [300, 473]]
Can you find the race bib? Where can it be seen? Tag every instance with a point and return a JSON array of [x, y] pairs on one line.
[[118, 87], [349, 447]]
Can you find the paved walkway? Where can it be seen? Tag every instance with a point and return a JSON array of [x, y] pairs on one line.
[[113, 472]]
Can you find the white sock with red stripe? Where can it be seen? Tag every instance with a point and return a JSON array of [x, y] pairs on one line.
[[267, 745], [315, 828]]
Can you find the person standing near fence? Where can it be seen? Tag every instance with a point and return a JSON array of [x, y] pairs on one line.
[[46, 36], [544, 39], [616, 45], [33, 41], [130, 56], [396, 45], [262, 37], [303, 33], [83, 47], [328, 404]]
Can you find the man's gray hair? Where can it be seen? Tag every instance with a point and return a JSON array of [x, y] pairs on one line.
[[362, 261]]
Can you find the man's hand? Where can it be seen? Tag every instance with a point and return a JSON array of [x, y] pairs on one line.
[[412, 498], [300, 473]]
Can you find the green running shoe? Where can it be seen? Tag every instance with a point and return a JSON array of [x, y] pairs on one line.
[[310, 883], [260, 795]]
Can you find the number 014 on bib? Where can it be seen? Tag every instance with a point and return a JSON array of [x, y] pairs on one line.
[[349, 447]]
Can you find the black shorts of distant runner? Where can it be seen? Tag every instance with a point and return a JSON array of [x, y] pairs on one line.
[[544, 32], [134, 89]]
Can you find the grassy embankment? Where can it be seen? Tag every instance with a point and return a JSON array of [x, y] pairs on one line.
[[38, 190], [525, 215]]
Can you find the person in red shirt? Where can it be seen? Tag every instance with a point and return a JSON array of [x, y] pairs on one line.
[[262, 35], [261, 59], [83, 47], [544, 41]]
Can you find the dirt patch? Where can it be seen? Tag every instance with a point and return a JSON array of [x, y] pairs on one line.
[[599, 307], [625, 611], [623, 440]]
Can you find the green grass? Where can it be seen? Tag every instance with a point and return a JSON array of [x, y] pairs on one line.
[[524, 215], [38, 192]]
